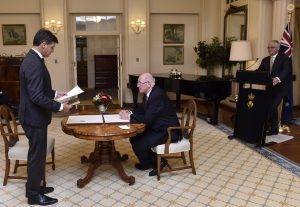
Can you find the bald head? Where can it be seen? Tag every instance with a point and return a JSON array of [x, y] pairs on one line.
[[147, 77], [145, 82]]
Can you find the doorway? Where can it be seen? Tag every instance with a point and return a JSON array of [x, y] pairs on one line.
[[106, 71], [98, 65], [81, 62]]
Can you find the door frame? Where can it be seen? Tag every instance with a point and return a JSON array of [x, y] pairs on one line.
[[119, 56]]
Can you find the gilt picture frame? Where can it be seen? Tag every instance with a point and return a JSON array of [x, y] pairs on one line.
[[173, 55], [173, 33], [14, 34]]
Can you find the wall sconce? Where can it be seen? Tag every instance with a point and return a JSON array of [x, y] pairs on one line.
[[53, 25], [138, 26], [240, 51]]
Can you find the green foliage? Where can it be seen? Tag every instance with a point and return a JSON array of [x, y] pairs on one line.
[[214, 54], [210, 55]]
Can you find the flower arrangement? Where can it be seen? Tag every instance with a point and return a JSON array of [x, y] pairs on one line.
[[102, 99]]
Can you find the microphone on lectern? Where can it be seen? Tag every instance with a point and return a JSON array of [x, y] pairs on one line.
[[252, 64]]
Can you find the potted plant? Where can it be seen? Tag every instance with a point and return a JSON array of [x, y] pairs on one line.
[[210, 55]]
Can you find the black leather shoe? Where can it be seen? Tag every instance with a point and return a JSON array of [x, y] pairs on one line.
[[45, 190], [139, 166], [162, 165], [41, 200], [270, 133]]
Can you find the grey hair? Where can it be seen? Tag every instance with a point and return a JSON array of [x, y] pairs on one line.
[[149, 77], [277, 43]]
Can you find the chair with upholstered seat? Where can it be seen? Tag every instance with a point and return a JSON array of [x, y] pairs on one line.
[[187, 126], [16, 144]]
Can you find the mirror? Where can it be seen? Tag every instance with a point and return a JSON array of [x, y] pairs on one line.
[[235, 28]]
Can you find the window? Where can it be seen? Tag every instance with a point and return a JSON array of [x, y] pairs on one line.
[[96, 23]]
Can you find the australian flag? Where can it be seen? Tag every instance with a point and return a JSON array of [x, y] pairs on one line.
[[286, 46]]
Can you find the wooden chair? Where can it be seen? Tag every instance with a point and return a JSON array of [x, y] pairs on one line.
[[16, 144], [187, 126]]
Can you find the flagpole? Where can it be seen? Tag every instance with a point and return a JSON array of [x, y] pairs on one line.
[[283, 127], [290, 8]]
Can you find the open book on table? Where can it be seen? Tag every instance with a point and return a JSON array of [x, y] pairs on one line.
[[95, 119]]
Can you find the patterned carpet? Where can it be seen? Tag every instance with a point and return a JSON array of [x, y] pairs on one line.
[[229, 173]]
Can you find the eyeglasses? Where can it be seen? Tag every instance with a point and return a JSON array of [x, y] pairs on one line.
[[141, 83]]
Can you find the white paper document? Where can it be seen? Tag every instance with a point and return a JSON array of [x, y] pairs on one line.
[[124, 127], [114, 118], [70, 95], [85, 119]]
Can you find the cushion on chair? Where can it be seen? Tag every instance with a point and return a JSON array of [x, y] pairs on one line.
[[20, 150], [181, 146], [12, 140]]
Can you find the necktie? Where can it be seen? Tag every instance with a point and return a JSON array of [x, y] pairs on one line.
[[271, 62]]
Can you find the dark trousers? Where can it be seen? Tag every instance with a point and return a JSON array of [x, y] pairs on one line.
[[142, 143], [37, 137], [273, 117]]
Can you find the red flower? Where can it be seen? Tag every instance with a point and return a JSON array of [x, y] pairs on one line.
[[102, 99]]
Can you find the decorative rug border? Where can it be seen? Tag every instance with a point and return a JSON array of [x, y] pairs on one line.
[[268, 153]]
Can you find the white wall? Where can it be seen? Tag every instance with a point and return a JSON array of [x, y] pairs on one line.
[[20, 6], [95, 6], [175, 6], [32, 24]]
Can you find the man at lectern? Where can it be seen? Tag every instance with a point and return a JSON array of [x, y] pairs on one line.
[[279, 66]]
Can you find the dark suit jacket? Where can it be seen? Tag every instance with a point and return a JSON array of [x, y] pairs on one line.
[[281, 69], [158, 114], [36, 94]]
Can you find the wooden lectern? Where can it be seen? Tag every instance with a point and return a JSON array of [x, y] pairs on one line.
[[253, 106]]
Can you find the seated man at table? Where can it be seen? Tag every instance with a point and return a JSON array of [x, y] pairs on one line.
[[158, 114]]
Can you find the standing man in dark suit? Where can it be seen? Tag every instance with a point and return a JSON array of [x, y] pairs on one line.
[[158, 114], [279, 66], [36, 106]]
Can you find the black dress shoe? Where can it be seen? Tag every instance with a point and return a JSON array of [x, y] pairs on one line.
[[139, 166], [45, 190], [270, 133], [154, 171], [41, 200]]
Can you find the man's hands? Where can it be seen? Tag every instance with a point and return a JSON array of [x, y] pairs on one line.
[[60, 94], [124, 114], [66, 107], [275, 81]]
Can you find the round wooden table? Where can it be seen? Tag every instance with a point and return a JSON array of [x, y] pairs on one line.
[[104, 152]]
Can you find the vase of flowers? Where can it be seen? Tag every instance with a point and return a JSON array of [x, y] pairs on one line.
[[102, 100]]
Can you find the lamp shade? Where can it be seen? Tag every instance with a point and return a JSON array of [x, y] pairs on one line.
[[240, 51]]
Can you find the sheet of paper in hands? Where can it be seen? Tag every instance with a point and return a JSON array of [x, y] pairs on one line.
[[71, 96]]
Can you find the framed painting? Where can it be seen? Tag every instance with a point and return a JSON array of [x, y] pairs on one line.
[[173, 33], [173, 55], [14, 34]]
